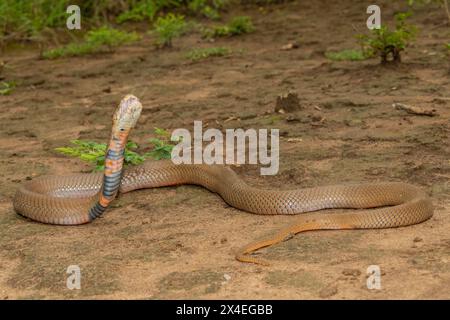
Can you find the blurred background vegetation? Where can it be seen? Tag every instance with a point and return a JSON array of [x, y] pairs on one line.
[[32, 19], [105, 24], [44, 21]]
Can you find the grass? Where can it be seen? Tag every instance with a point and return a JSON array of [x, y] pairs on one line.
[[237, 26], [209, 9], [346, 55], [146, 10], [93, 152], [150, 9], [169, 27], [70, 50], [6, 87], [200, 54], [97, 40]]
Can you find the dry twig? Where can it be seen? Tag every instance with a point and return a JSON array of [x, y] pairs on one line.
[[415, 110]]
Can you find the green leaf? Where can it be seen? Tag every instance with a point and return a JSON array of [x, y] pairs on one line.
[[161, 132]]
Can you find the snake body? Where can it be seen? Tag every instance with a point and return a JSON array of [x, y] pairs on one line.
[[80, 198]]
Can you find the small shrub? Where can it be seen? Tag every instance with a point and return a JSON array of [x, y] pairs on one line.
[[147, 9], [199, 54], [384, 42], [237, 26], [6, 87], [94, 152], [169, 27], [209, 9], [162, 145], [98, 40], [346, 55]]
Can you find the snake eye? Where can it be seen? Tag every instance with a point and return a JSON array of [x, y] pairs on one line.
[[122, 129]]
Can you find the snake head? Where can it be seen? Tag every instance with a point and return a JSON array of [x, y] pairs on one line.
[[126, 115]]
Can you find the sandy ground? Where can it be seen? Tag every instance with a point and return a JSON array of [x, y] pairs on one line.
[[179, 242]]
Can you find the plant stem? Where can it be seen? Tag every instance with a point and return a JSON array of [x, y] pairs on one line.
[[447, 10]]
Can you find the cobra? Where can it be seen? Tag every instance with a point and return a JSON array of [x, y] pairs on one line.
[[80, 198]]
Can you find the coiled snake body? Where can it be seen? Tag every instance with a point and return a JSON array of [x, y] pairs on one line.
[[80, 198]]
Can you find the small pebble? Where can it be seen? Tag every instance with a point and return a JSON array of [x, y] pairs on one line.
[[290, 46]]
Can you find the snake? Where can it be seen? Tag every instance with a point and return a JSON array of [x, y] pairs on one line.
[[81, 198]]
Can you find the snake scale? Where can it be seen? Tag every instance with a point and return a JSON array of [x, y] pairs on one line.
[[80, 198]]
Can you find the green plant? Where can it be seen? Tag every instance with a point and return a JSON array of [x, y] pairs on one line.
[[94, 152], [263, 2], [168, 27], [346, 55], [271, 120], [6, 87], [149, 9], [24, 19], [237, 26], [209, 9], [384, 42], [199, 54], [43, 19], [110, 37], [146, 9], [97, 40], [162, 145], [70, 50]]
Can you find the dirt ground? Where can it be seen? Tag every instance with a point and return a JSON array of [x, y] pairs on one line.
[[179, 242]]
